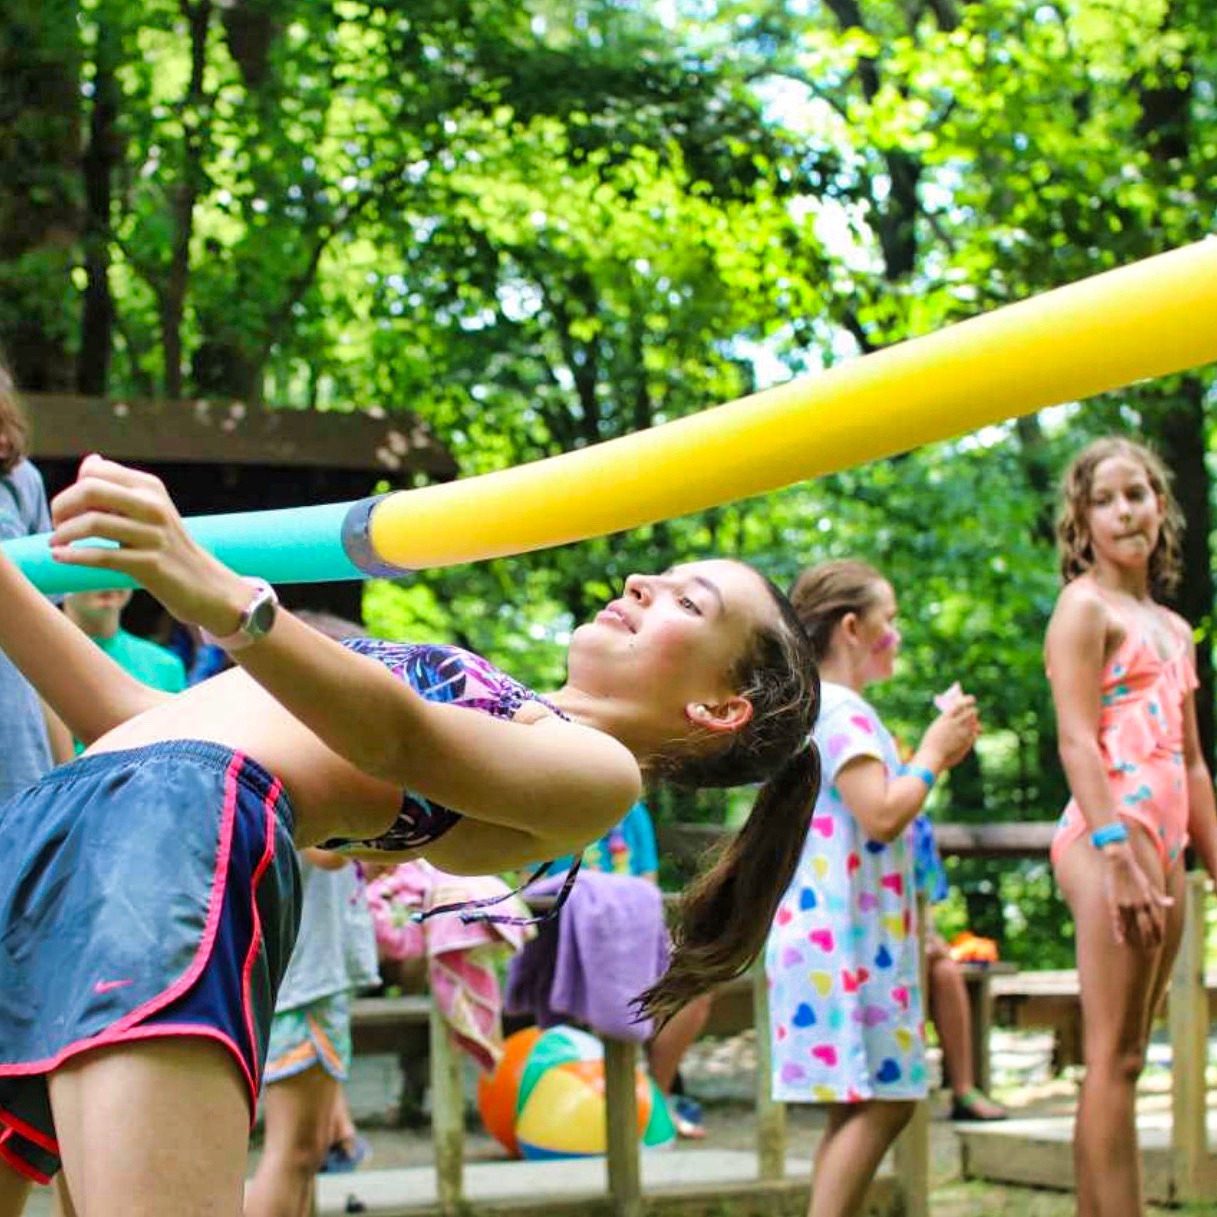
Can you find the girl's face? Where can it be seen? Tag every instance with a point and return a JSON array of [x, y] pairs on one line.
[[1124, 515], [878, 635], [672, 640]]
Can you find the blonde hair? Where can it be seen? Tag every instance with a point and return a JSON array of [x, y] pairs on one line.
[[14, 430], [1073, 535], [823, 594]]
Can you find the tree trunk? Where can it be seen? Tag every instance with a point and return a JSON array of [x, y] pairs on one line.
[[100, 158], [182, 198], [1177, 415], [1179, 425], [39, 216]]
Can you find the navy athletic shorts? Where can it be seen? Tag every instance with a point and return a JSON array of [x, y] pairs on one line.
[[143, 894]]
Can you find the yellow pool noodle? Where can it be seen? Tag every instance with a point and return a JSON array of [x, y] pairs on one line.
[[1148, 319]]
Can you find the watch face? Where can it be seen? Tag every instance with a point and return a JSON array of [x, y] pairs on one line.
[[261, 615]]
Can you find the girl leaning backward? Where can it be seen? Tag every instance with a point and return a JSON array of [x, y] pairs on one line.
[[148, 900]]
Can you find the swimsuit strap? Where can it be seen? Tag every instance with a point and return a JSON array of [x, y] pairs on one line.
[[470, 910], [1139, 626]]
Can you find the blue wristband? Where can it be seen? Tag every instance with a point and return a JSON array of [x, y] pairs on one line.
[[1109, 834], [919, 771]]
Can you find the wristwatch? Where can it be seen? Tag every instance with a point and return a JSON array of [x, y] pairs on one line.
[[256, 620]]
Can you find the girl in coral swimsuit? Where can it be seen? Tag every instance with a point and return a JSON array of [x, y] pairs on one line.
[[1122, 669]]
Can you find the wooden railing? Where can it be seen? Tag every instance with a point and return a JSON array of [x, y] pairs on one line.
[[684, 844], [1188, 1021]]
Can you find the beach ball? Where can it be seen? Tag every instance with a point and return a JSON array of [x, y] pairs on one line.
[[497, 1090], [545, 1099]]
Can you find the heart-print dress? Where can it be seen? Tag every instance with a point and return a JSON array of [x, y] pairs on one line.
[[842, 956]]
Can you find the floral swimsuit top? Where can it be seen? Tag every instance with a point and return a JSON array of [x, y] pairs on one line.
[[448, 674]]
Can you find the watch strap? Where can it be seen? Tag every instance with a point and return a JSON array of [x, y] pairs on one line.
[[242, 635]]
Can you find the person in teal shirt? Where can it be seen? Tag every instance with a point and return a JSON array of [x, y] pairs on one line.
[[99, 615]]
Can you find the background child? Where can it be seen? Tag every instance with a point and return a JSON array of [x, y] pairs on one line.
[[843, 956], [30, 739], [947, 999], [1122, 669]]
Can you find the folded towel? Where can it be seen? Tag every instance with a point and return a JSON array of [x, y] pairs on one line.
[[460, 955], [609, 944]]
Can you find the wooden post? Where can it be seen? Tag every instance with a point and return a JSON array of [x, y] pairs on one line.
[[912, 1148], [770, 1114], [1189, 1019], [621, 1102], [447, 1114]]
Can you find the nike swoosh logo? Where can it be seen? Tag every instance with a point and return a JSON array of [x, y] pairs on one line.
[[104, 986]]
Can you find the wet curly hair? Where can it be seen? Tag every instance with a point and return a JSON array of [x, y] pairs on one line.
[[1077, 485]]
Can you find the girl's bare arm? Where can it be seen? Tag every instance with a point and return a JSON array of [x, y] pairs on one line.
[[556, 781], [75, 677], [1075, 653]]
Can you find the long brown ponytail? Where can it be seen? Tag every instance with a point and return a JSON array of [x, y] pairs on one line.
[[725, 915]]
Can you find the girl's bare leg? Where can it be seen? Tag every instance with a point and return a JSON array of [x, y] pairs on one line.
[[672, 1040], [1116, 983], [14, 1190], [1176, 888], [342, 1124], [153, 1127], [298, 1115], [849, 1154], [952, 1017]]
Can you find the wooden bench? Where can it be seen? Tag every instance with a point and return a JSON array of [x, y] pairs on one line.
[[1052, 1000]]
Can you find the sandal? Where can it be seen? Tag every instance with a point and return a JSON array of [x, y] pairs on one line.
[[341, 1159], [687, 1117], [976, 1105]]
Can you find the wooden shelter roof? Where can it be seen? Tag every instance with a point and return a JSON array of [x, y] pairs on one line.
[[217, 432]]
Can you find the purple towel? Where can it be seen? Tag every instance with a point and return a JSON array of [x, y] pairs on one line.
[[607, 946]]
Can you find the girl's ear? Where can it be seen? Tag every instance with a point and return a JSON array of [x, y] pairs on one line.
[[848, 625], [731, 714]]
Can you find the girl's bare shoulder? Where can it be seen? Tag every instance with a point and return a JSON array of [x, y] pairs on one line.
[[1081, 605]]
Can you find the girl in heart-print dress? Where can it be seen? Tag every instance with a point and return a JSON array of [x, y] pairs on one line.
[[843, 956]]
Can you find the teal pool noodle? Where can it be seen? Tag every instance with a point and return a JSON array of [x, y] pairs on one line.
[[320, 544]]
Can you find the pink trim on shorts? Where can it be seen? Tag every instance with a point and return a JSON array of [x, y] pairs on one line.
[[255, 938], [27, 1170], [29, 1132]]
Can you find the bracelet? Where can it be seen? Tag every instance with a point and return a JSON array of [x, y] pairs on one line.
[[1109, 834], [919, 771]]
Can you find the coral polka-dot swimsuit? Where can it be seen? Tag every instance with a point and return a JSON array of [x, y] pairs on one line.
[[1141, 737]]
